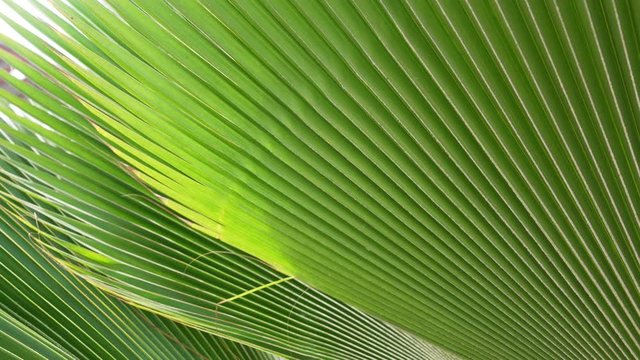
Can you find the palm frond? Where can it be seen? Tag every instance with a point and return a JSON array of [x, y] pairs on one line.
[[106, 227], [22, 342], [47, 313], [465, 170]]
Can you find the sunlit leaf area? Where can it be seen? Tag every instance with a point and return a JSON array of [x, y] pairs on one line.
[[320, 179]]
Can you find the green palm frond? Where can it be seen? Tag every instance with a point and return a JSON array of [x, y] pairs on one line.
[[46, 313], [465, 170], [22, 342], [141, 253], [106, 227]]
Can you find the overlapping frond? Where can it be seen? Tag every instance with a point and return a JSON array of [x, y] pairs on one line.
[[47, 313], [21, 342]]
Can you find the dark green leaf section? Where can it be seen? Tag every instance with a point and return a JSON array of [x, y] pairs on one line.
[[46, 313], [18, 341], [106, 227]]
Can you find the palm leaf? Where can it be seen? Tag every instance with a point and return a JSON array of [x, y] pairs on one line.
[[45, 313], [21, 342], [106, 227], [466, 170]]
